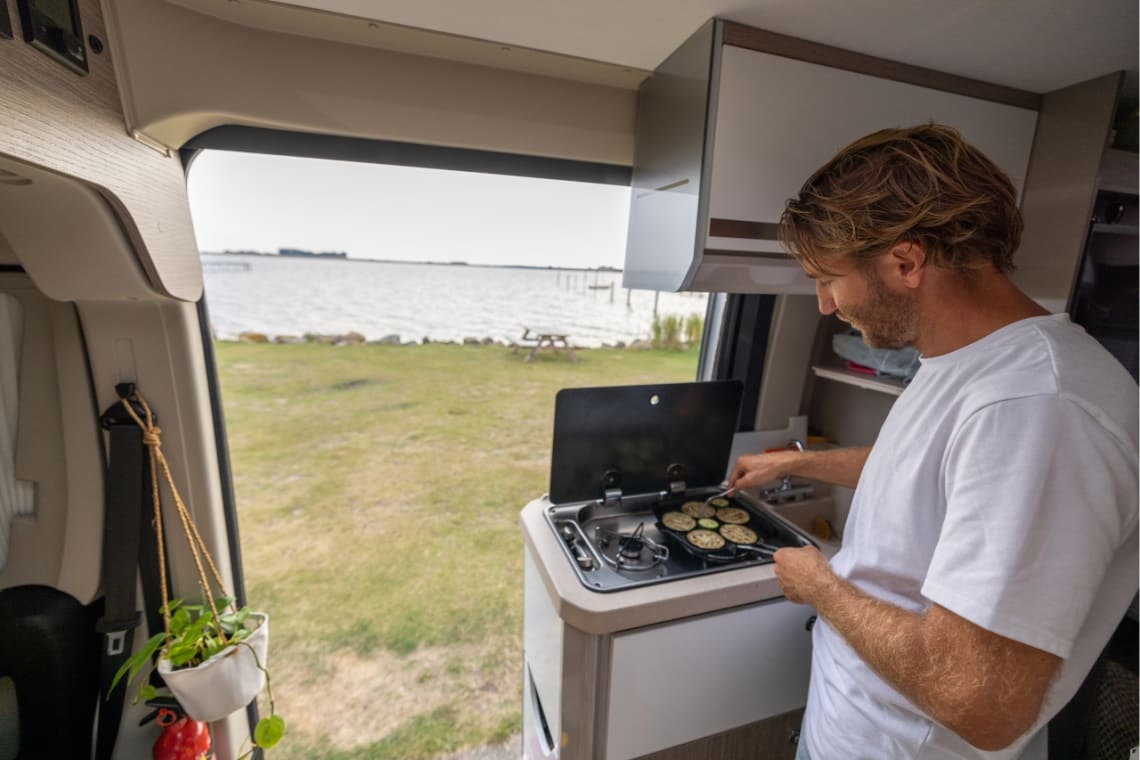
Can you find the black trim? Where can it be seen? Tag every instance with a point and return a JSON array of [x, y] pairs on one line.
[[225, 473], [5, 22], [12, 268], [743, 344], [308, 145], [225, 477]]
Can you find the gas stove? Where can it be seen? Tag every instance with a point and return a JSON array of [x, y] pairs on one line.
[[625, 457], [621, 546]]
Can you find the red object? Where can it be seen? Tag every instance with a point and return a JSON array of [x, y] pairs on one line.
[[860, 368], [181, 738]]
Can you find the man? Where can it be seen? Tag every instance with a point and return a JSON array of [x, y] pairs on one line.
[[991, 546]]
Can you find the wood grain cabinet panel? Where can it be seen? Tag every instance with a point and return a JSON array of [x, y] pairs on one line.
[[73, 125]]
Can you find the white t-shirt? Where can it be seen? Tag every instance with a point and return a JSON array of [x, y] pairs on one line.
[[1003, 487]]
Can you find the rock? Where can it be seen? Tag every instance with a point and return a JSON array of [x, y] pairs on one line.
[[253, 337]]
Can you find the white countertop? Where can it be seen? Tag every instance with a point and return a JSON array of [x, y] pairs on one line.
[[609, 612]]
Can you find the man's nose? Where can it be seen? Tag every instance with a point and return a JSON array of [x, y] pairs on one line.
[[826, 302]]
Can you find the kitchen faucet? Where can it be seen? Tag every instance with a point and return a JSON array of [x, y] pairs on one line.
[[788, 492]]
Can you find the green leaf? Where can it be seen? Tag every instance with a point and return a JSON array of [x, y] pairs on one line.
[[139, 659], [221, 602], [146, 691], [232, 621], [269, 731], [181, 652], [179, 622]]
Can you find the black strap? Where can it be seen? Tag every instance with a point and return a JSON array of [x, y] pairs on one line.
[[128, 536]]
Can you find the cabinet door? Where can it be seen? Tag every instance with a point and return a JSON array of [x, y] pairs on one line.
[[674, 683], [779, 119]]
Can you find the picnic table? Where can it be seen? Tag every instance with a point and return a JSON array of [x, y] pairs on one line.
[[548, 337]]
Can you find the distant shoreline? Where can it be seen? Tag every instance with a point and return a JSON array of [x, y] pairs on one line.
[[326, 257]]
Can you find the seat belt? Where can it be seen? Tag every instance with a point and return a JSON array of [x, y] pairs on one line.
[[128, 546]]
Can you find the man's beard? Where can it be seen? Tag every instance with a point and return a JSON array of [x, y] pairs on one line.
[[886, 319]]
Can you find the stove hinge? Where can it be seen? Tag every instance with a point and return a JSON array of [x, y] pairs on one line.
[[673, 474], [612, 497]]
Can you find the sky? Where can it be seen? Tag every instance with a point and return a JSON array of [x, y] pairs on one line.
[[242, 201]]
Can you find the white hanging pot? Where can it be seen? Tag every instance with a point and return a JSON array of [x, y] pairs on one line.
[[226, 682]]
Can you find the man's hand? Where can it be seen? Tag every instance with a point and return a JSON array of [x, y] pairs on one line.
[[802, 573], [839, 467], [756, 469]]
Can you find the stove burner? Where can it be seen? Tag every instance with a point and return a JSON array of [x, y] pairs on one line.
[[634, 551], [630, 546]]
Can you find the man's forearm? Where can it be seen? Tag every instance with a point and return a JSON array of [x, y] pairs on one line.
[[888, 638], [985, 688], [840, 467]]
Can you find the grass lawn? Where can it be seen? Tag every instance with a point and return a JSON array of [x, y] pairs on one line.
[[378, 491]]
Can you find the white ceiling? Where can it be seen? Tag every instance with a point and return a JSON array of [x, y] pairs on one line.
[[1035, 45]]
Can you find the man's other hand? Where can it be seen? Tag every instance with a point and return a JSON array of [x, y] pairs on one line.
[[802, 573]]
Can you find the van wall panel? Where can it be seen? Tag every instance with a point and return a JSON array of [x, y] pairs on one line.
[[52, 117]]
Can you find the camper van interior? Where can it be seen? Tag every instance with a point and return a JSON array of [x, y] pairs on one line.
[[711, 112]]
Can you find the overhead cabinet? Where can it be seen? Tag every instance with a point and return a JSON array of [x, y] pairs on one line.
[[732, 124]]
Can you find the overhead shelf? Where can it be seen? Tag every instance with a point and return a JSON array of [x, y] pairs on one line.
[[869, 382]]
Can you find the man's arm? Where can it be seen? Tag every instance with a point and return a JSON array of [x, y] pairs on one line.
[[840, 467], [984, 687]]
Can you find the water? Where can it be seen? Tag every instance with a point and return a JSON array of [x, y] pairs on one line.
[[293, 296]]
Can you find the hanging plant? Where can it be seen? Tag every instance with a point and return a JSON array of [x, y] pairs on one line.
[[211, 656]]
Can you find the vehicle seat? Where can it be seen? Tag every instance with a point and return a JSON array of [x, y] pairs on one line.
[[50, 653]]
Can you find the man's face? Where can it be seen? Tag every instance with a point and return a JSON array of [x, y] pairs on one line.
[[860, 297]]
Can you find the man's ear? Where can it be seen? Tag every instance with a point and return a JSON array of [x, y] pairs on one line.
[[906, 263]]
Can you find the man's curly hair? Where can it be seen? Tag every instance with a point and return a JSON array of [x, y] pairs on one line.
[[924, 185]]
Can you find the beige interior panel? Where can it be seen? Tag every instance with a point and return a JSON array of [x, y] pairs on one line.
[[185, 72], [66, 237], [340, 27], [1060, 187], [51, 117], [57, 449], [157, 346], [7, 255]]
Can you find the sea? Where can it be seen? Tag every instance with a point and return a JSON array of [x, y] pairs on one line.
[[292, 296]]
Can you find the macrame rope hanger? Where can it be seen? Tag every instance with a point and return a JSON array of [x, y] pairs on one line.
[[152, 439]]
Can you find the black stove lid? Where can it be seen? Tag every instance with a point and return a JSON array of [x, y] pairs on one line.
[[630, 437]]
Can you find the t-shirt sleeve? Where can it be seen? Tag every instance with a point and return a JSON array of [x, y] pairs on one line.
[[1036, 494]]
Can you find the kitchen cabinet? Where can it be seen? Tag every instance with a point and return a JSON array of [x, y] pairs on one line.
[[706, 675], [713, 665], [728, 130]]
